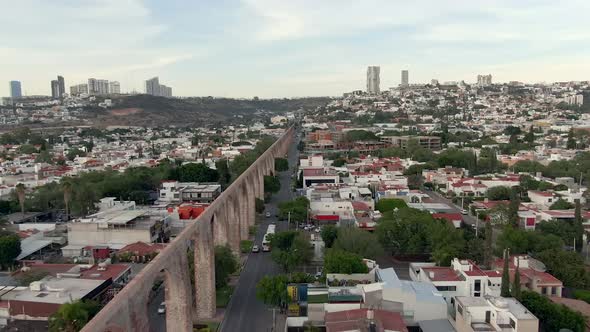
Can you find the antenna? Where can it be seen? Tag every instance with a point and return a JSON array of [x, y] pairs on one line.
[[537, 265]]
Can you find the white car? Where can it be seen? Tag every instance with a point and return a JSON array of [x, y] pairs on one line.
[[268, 214], [162, 308], [463, 211], [317, 230], [255, 249]]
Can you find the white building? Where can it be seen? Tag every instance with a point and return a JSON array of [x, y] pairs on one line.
[[114, 87], [373, 79], [493, 314], [405, 78], [484, 80]]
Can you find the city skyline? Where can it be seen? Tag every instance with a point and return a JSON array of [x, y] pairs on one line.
[[256, 47]]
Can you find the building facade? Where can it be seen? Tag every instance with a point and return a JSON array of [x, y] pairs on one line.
[[152, 86], [15, 89], [484, 80], [405, 78], [373, 79], [114, 87]]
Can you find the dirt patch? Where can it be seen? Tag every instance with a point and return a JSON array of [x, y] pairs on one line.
[[126, 111]]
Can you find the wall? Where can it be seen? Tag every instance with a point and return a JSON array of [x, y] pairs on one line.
[[90, 234]]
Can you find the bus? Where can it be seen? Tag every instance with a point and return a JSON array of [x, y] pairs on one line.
[[266, 240]]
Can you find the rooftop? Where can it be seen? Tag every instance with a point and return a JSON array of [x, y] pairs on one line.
[[440, 273], [54, 290], [502, 303]]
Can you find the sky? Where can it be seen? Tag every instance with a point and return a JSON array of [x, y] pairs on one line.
[[289, 48]]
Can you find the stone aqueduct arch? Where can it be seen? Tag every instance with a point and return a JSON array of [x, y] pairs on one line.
[[225, 221]]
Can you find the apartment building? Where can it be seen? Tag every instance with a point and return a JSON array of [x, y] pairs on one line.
[[427, 142], [474, 314], [174, 191]]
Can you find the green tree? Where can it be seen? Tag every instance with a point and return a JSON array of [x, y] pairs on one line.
[[259, 205], [197, 173], [561, 204], [515, 291], [9, 250], [281, 164], [358, 241], [499, 193], [505, 287], [44, 157], [360, 135], [579, 225], [71, 317], [272, 290], [66, 185], [390, 204], [225, 265], [223, 169], [567, 266], [75, 152], [272, 184], [339, 261], [571, 140], [290, 249], [513, 207], [297, 209], [20, 193], [489, 245], [552, 316], [329, 233], [27, 149], [339, 162]]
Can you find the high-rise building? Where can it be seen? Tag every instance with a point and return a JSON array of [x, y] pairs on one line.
[[152, 86], [15, 89], [61, 84], [373, 79], [405, 78], [484, 80], [79, 89], [54, 89], [165, 91], [434, 81], [114, 87], [98, 87]]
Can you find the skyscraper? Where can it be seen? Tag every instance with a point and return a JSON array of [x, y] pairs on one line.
[[61, 85], [373, 79], [114, 87], [484, 80], [405, 78], [15, 89], [54, 89], [152, 86], [98, 87]]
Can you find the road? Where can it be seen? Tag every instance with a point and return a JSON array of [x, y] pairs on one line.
[[437, 198], [245, 312], [157, 321]]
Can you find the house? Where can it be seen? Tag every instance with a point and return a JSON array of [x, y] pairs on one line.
[[454, 219], [141, 251], [364, 320], [542, 198], [473, 314], [531, 276]]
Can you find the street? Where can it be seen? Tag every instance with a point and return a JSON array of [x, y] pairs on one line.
[[437, 198], [157, 321], [245, 312]]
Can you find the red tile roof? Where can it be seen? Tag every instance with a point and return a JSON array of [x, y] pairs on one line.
[[142, 248], [441, 273]]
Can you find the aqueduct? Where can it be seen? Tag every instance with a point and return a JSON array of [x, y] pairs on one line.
[[225, 221]]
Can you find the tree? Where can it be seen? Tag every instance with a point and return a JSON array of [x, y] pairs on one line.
[[259, 205], [552, 316], [66, 185], [488, 249], [71, 317], [571, 140], [20, 193], [579, 225], [197, 173], [272, 290], [513, 207], [9, 250], [329, 233], [223, 171], [297, 209], [390, 204], [271, 184], [281, 164], [339, 261], [44, 157], [339, 162], [505, 287], [567, 266], [516, 293], [358, 241], [290, 249], [225, 265], [561, 204], [499, 193], [75, 152]]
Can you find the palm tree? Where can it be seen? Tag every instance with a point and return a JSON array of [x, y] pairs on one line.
[[20, 193], [67, 188]]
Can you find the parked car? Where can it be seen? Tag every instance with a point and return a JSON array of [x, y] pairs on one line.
[[318, 275], [317, 230], [463, 211], [268, 214], [162, 308], [255, 248]]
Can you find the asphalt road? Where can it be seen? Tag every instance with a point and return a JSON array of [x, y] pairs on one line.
[[469, 220], [157, 321], [245, 312]]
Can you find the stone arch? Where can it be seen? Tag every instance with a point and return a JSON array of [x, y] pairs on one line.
[[204, 272], [179, 300], [219, 227]]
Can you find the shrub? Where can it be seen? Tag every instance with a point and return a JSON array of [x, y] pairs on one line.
[[246, 246]]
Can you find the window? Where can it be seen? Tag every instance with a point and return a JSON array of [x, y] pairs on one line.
[[544, 290], [460, 309], [489, 283], [446, 288], [553, 290], [477, 285], [512, 323]]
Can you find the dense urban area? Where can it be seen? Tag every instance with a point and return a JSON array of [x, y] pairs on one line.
[[447, 206]]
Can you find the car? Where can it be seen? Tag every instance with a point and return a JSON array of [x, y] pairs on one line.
[[317, 230], [255, 248], [463, 211], [318, 275], [162, 308], [268, 214]]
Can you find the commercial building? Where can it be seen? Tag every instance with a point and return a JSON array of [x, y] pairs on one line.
[[114, 87], [174, 191], [484, 80], [427, 142], [117, 224], [373, 79], [15, 89], [492, 314], [405, 78]]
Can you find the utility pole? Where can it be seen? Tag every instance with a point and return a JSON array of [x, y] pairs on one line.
[[288, 220]]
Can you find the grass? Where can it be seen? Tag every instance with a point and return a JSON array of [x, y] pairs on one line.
[[223, 295], [319, 298], [211, 327]]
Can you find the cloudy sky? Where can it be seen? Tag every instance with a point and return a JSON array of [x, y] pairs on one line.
[[284, 48]]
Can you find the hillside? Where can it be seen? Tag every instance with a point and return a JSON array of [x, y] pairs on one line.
[[145, 110]]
